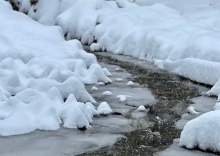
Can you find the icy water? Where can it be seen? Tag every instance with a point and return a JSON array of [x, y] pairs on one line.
[[173, 96]]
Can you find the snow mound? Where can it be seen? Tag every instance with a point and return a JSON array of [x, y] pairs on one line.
[[100, 83], [39, 70], [123, 98], [192, 110], [130, 83], [106, 71], [107, 93], [94, 88], [202, 132], [151, 32], [104, 108], [141, 108]]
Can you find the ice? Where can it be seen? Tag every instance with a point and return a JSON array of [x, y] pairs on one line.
[[107, 93]]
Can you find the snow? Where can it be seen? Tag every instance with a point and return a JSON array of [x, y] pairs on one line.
[[130, 83], [107, 73], [39, 69], [104, 108], [107, 93], [118, 79], [151, 32], [141, 108], [123, 98], [217, 106], [182, 37], [100, 83], [94, 88], [202, 132], [192, 110]]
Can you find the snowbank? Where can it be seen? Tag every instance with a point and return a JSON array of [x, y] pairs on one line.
[[39, 70], [157, 33], [168, 34], [202, 132]]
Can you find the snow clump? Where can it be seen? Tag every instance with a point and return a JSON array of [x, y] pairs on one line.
[[141, 108], [104, 108], [107, 93], [130, 83]]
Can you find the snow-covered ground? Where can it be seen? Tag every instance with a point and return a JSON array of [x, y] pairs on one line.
[[179, 36], [39, 69], [105, 131]]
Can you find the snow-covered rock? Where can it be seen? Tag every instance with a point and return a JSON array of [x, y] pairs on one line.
[[104, 108], [202, 132]]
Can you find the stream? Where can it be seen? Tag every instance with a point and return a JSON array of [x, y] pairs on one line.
[[173, 95]]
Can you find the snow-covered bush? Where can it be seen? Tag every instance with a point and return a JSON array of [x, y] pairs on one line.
[[39, 70]]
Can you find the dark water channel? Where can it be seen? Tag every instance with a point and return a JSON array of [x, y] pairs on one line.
[[173, 96]]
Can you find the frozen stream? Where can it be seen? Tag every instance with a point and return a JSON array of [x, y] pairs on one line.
[[126, 131]]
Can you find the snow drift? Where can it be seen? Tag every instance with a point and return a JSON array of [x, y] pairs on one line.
[[162, 35], [39, 70]]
